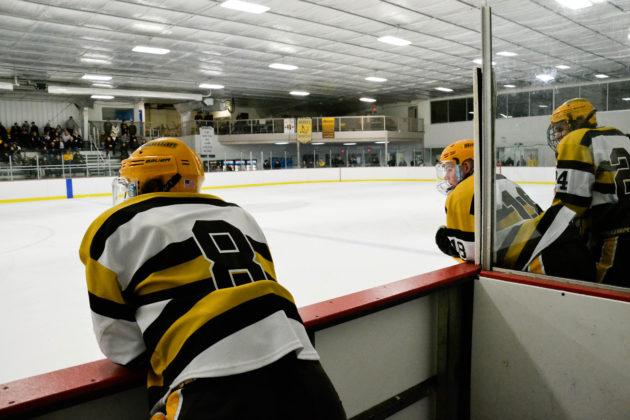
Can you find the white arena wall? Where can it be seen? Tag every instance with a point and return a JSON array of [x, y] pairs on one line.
[[56, 188]]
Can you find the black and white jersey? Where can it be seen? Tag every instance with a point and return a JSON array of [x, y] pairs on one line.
[[187, 282]]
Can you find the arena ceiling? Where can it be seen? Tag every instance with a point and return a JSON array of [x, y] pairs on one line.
[[333, 43]]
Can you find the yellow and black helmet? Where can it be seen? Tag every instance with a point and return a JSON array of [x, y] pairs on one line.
[[571, 115]]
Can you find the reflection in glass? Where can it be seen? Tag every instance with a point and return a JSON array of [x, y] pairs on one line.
[[541, 102], [596, 94], [619, 96]]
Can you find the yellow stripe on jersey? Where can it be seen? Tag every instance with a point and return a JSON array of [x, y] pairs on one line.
[[204, 310], [509, 220], [175, 276], [525, 233], [103, 282], [266, 265], [609, 249], [570, 147]]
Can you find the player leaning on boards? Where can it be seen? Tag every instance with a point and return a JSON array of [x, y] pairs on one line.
[[182, 284], [593, 179], [526, 239]]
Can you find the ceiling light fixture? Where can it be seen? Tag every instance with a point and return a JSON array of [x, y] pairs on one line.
[[102, 97], [364, 99], [210, 86], [74, 90], [562, 67], [393, 40], [281, 143], [99, 77], [543, 106], [509, 86], [6, 86], [375, 79], [299, 93], [282, 66], [149, 27], [602, 76], [380, 142], [318, 143], [150, 50], [349, 144], [625, 99], [507, 54], [575, 4], [94, 61], [103, 85], [443, 89], [245, 6], [545, 77]]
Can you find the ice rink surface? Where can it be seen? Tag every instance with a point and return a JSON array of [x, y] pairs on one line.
[[327, 240]]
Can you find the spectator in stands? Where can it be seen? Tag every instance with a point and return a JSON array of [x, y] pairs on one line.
[[110, 144], [124, 128], [47, 128], [66, 136], [4, 135], [183, 285], [71, 125], [107, 128], [133, 130], [593, 180], [34, 129], [526, 239], [15, 132]]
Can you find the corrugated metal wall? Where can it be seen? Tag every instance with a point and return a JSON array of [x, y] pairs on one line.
[[18, 111]]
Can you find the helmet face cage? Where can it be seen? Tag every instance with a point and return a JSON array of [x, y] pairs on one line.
[[442, 170], [122, 189]]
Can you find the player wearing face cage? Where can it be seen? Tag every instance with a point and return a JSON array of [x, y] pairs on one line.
[[593, 180], [526, 239], [183, 285]]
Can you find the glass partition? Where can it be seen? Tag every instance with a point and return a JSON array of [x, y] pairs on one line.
[[570, 217]]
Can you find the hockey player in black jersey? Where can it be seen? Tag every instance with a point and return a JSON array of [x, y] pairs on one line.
[[183, 284], [526, 239], [593, 180]]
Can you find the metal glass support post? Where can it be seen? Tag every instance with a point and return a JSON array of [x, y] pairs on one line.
[[37, 165], [262, 160], [251, 161], [270, 160], [63, 167], [10, 168], [486, 148], [299, 159], [386, 160]]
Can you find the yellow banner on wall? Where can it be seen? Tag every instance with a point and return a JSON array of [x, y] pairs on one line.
[[304, 130], [328, 127]]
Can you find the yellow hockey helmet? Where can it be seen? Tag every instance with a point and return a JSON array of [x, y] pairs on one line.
[[448, 169], [160, 165], [571, 115]]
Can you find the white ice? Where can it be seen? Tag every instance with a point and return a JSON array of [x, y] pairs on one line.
[[327, 240]]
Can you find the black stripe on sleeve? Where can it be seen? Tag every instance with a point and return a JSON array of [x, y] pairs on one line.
[[125, 214], [111, 309], [575, 200], [226, 324], [173, 254], [577, 165], [604, 188], [587, 139], [261, 248], [541, 228]]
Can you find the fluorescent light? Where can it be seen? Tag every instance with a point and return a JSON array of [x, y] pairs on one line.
[[563, 67], [210, 86], [6, 86], [102, 97], [602, 76], [505, 116], [280, 143], [480, 61], [74, 90], [281, 66], [543, 106], [320, 143], [507, 54], [575, 4], [103, 85], [94, 61], [625, 99], [392, 40], [100, 77], [545, 77], [443, 89], [509, 86], [349, 144], [380, 142], [375, 79], [367, 99], [150, 50], [299, 93], [149, 27], [244, 6], [471, 112]]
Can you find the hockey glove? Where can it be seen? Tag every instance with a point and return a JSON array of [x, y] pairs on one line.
[[442, 241]]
